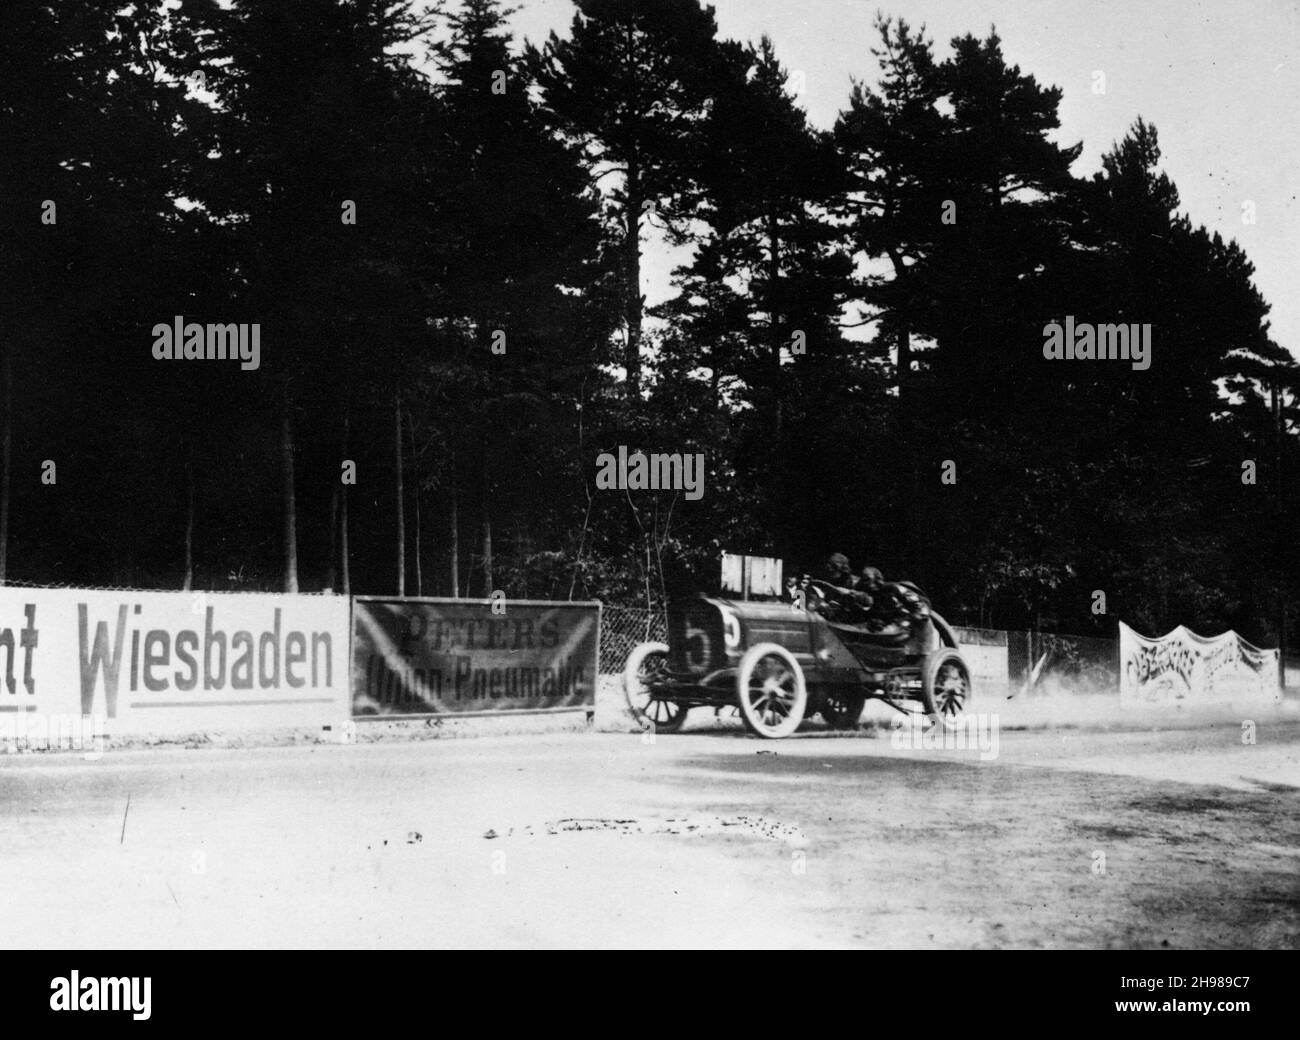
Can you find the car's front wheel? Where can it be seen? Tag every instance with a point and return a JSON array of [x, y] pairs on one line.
[[945, 686], [770, 690], [645, 664]]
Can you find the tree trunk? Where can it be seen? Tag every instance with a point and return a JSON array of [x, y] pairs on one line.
[[632, 276], [189, 529], [487, 556], [415, 494], [454, 525], [910, 512], [915, 558], [1278, 534], [785, 539], [401, 518], [290, 504], [332, 572], [5, 449], [486, 485], [903, 370], [903, 367], [343, 518], [774, 318]]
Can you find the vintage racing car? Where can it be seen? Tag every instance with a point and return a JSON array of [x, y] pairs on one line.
[[779, 663]]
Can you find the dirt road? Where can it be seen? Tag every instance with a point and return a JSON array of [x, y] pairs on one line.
[[1066, 839]]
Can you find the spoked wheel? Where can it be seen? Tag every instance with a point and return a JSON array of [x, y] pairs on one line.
[[770, 691], [646, 663], [843, 708], [945, 686]]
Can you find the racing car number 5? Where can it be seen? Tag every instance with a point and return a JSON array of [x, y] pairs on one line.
[[699, 649]]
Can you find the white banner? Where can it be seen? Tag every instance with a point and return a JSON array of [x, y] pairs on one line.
[[752, 575], [985, 653], [1182, 667], [169, 662]]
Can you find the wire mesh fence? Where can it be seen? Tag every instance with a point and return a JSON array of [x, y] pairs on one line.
[[1084, 663], [622, 629]]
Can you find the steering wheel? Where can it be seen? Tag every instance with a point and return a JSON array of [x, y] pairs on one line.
[[821, 588], [818, 591]]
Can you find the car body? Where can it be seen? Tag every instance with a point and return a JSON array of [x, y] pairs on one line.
[[779, 662]]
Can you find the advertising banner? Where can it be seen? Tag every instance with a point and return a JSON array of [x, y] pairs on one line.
[[457, 656], [1182, 667], [168, 662], [985, 652]]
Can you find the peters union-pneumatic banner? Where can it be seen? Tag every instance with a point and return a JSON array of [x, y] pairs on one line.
[[460, 656], [169, 662], [1184, 668]]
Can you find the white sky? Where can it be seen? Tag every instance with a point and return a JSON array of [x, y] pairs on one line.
[[1220, 79]]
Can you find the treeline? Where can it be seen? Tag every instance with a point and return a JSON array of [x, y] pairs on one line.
[[441, 235]]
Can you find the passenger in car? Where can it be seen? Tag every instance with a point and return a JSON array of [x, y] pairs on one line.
[[892, 608]]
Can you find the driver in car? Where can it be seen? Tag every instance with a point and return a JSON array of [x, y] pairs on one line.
[[892, 608], [838, 572], [835, 594]]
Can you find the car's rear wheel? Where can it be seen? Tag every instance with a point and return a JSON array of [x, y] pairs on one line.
[[945, 686], [843, 708], [645, 664], [770, 691]]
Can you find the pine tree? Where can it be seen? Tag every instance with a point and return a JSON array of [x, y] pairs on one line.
[[93, 117], [899, 209], [761, 302], [1009, 182], [319, 139], [514, 262], [632, 83]]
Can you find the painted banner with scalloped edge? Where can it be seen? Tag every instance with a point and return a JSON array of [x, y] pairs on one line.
[[1184, 668]]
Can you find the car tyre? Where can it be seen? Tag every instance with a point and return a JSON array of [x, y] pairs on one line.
[[945, 686], [771, 691], [643, 663]]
